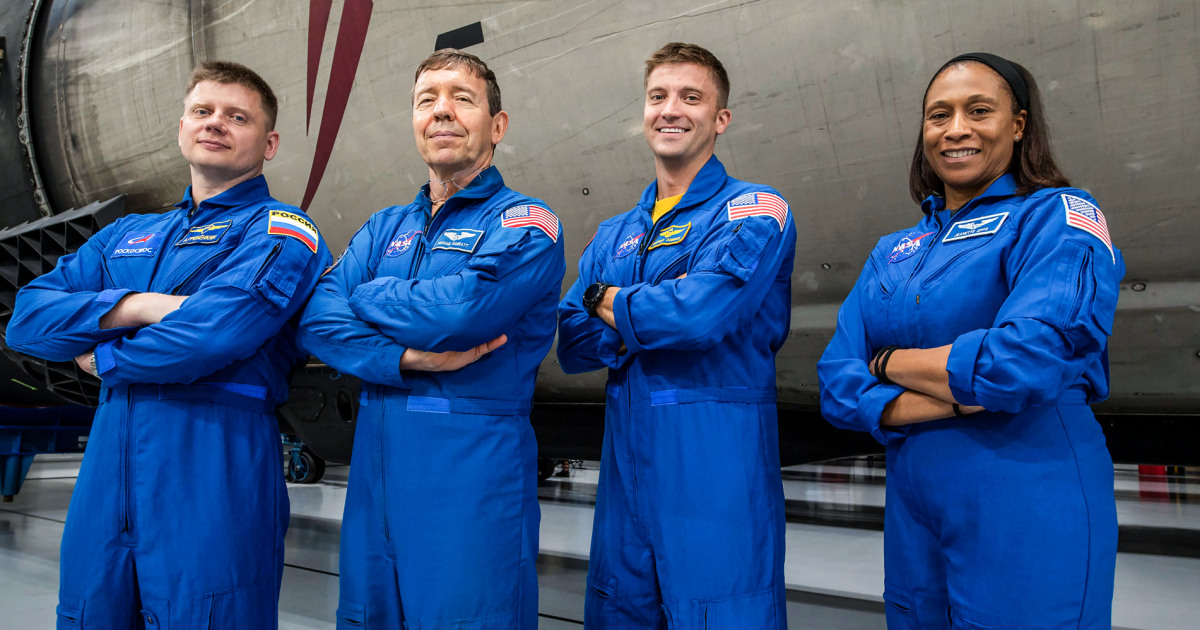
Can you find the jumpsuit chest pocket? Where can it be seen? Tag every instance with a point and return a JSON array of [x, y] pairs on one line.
[[440, 262], [184, 269]]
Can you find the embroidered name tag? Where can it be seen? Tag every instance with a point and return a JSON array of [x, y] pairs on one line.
[[293, 225], [138, 244], [401, 243], [670, 235], [205, 234], [907, 246], [972, 228], [629, 245], [459, 240]]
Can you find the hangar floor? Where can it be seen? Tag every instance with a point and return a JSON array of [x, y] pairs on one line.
[[834, 566]]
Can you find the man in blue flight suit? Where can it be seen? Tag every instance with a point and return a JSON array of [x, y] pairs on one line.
[[444, 308], [188, 318], [686, 300]]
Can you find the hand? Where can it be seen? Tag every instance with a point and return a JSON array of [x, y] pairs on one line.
[[85, 362], [141, 309], [424, 361], [604, 310]]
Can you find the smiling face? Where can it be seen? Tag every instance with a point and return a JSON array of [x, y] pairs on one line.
[[224, 133], [681, 119], [452, 124], [969, 130]]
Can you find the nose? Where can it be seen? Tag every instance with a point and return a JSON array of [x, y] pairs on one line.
[[214, 124], [671, 108], [443, 108], [959, 127]]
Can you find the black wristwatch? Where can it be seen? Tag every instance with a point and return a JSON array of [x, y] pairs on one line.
[[593, 295]]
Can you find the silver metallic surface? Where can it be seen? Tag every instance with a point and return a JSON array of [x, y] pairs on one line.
[[826, 100]]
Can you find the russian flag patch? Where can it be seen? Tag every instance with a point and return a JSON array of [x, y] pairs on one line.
[[295, 226]]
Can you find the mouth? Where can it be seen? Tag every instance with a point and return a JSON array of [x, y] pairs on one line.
[[443, 134], [960, 153], [211, 144], [672, 130]]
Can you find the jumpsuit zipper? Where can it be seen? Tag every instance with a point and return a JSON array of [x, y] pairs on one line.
[[642, 248], [197, 270], [126, 464]]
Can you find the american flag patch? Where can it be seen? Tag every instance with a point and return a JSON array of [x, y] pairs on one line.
[[295, 226], [1084, 215], [532, 216], [759, 204]]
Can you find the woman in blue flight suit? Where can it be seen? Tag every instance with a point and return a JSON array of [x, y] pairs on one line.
[[971, 347]]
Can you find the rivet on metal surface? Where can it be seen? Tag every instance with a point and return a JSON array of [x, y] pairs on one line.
[[1138, 286], [826, 266], [586, 192]]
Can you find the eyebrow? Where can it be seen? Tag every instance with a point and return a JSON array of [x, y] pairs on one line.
[[973, 97]]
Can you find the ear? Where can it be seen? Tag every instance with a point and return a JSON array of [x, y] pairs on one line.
[[179, 136], [1019, 125], [272, 145], [499, 126], [724, 117]]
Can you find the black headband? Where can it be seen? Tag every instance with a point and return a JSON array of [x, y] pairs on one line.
[[1003, 67]]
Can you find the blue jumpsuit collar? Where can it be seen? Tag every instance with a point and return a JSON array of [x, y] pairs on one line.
[[238, 195], [707, 183], [1004, 186], [486, 184]]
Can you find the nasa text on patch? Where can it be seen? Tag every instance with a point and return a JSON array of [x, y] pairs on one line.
[[971, 228], [1084, 215], [293, 225], [401, 243], [205, 234], [628, 245], [459, 240], [908, 245], [531, 216], [670, 235], [138, 244]]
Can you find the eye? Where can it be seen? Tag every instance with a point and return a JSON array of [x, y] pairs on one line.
[[654, 98], [938, 116], [200, 111], [238, 118], [980, 110], [691, 98]]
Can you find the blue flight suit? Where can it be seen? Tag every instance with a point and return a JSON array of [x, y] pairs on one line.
[[180, 508], [1004, 518], [689, 524], [441, 520]]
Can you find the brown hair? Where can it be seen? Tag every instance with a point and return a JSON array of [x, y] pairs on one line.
[[450, 58], [1032, 165], [231, 72], [676, 52]]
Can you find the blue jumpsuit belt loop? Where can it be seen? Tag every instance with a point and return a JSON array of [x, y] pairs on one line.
[[478, 406], [712, 394], [237, 395]]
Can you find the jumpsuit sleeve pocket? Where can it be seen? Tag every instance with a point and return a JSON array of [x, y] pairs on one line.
[[743, 250], [70, 613], [280, 273]]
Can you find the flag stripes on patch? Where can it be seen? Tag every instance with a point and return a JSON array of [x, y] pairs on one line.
[[532, 216], [759, 204], [295, 226], [1084, 215]]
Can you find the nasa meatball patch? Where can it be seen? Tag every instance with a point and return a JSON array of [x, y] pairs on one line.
[[401, 243], [459, 240], [138, 244], [628, 245], [908, 245]]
